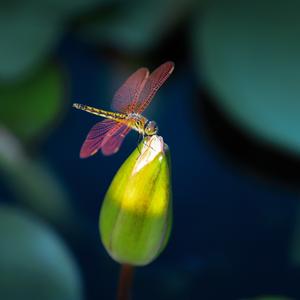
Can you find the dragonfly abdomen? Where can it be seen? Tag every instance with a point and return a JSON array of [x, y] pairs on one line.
[[100, 112]]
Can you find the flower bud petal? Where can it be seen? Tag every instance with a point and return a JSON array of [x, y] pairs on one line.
[[136, 215]]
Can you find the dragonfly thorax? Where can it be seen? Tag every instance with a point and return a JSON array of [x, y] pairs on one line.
[[142, 125]]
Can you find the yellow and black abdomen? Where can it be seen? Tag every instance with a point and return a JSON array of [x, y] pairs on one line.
[[135, 121], [100, 112]]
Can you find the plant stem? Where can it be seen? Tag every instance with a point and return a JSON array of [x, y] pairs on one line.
[[125, 282]]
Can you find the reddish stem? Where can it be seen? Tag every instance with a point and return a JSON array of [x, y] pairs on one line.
[[125, 282]]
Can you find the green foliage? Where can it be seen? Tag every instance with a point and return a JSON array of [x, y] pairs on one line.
[[249, 54], [136, 26], [29, 106], [34, 262], [32, 182], [28, 35], [71, 8], [30, 31]]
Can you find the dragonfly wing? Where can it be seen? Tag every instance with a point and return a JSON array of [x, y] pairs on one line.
[[152, 84], [113, 140], [129, 92], [95, 137]]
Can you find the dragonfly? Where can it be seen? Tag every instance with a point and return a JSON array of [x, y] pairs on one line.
[[129, 102]]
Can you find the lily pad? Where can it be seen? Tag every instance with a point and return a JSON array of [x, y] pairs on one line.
[[33, 184], [29, 106], [31, 30], [248, 54], [35, 263], [135, 26], [28, 34]]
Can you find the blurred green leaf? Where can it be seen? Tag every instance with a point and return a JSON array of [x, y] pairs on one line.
[[30, 31], [136, 25], [73, 7], [28, 34], [27, 107], [248, 54], [32, 182], [34, 261]]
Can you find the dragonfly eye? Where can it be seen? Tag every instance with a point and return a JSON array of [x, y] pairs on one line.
[[151, 128]]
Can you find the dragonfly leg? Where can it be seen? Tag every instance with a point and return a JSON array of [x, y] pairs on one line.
[[140, 137]]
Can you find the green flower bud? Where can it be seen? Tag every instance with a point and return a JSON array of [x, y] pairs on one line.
[[136, 215]]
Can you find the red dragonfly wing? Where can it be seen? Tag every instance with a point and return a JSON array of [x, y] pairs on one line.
[[113, 140], [153, 83], [129, 92], [95, 137]]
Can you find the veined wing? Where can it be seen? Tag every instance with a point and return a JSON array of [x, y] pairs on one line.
[[151, 86], [96, 135], [129, 92], [114, 139]]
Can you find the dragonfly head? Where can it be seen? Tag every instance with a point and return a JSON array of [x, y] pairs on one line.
[[150, 128]]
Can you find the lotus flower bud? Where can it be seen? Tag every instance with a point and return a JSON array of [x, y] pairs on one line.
[[136, 214]]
